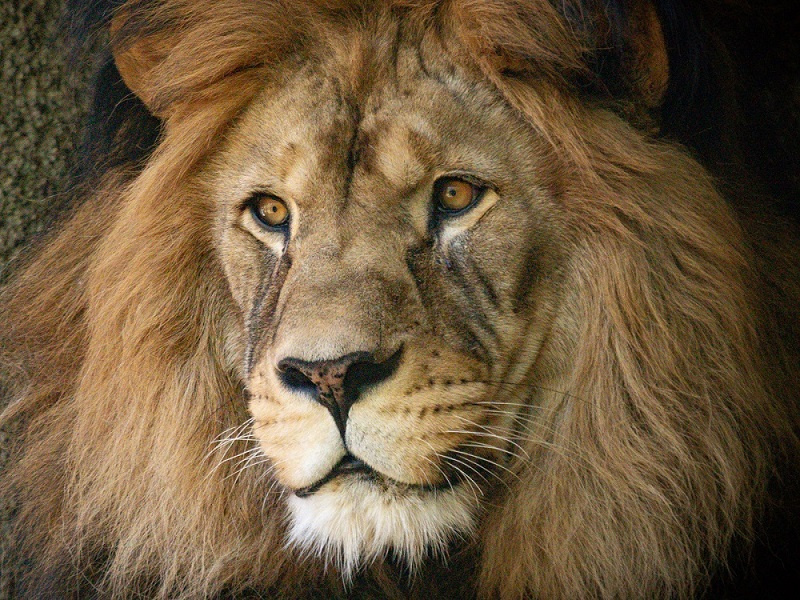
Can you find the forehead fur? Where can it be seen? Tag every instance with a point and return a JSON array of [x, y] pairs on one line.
[[186, 46]]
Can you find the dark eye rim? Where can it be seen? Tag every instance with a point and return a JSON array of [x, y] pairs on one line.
[[480, 186], [251, 205]]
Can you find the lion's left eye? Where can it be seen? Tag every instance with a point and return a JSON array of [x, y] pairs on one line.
[[270, 211], [453, 195]]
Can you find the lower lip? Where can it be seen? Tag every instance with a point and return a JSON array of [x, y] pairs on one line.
[[367, 473], [347, 466]]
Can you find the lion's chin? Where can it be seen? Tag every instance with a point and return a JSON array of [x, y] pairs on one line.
[[351, 521]]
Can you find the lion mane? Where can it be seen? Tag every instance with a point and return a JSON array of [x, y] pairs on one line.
[[663, 437]]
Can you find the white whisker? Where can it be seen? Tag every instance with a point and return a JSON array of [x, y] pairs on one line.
[[472, 484], [491, 462], [487, 432]]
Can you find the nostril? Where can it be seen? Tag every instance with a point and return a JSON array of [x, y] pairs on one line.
[[364, 374], [294, 379]]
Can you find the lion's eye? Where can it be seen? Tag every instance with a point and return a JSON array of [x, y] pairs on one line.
[[270, 211], [452, 195]]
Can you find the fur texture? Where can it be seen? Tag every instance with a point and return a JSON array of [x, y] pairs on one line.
[[582, 385]]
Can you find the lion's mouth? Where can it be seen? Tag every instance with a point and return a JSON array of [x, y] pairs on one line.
[[350, 465]]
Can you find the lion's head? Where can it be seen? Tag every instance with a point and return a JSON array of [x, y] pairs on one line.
[[392, 287]]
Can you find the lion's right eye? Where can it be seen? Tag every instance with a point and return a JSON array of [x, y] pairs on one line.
[[454, 195], [270, 211]]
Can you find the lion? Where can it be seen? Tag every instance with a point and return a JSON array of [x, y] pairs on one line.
[[407, 298]]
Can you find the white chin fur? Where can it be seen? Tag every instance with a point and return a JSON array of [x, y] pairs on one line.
[[352, 522]]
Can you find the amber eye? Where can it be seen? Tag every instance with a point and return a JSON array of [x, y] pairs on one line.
[[453, 195], [270, 211]]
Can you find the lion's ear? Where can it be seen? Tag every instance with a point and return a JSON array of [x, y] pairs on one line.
[[641, 51], [178, 54], [624, 48], [136, 61], [615, 47]]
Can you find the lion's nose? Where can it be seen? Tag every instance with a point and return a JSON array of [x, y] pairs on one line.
[[337, 384]]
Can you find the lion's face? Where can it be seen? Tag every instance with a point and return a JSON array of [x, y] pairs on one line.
[[394, 250]]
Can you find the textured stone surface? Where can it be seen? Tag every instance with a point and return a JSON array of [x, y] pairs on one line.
[[42, 102], [41, 105]]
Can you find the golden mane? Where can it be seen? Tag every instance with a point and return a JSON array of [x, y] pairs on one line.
[[680, 397]]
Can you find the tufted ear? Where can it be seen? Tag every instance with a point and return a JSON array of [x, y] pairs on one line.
[[614, 48], [137, 58], [134, 64], [632, 58], [174, 54]]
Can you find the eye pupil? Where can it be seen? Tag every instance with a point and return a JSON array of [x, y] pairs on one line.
[[270, 211], [454, 195]]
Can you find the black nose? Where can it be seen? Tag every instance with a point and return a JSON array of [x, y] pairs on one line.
[[337, 384]]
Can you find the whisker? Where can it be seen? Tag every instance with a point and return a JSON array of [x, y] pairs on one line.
[[517, 404], [220, 463], [532, 437], [270, 490], [437, 455], [530, 386], [469, 458], [234, 457], [472, 484], [250, 461], [229, 436], [503, 451], [487, 432], [491, 462], [266, 472], [469, 465], [236, 429]]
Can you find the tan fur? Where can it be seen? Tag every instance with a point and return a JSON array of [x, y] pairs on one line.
[[630, 399]]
